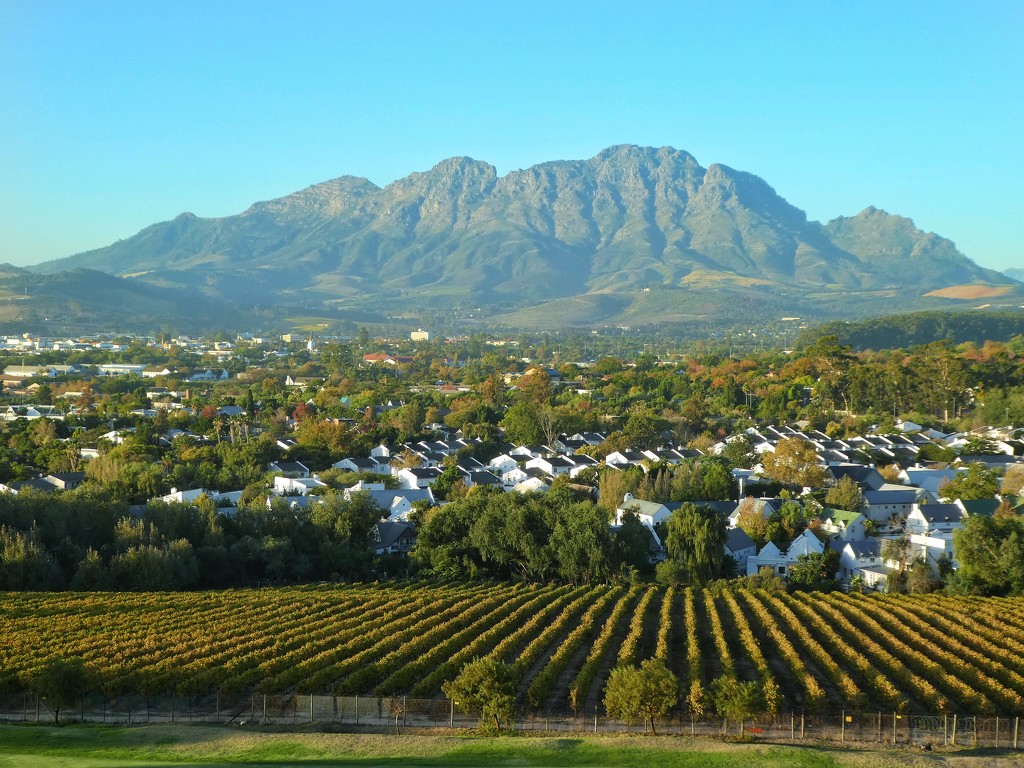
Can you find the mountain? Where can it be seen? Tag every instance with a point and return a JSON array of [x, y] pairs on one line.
[[634, 234], [1017, 273]]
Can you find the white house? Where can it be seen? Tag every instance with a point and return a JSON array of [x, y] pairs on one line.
[[554, 465], [861, 558], [650, 512], [780, 562], [846, 526], [740, 547], [886, 504], [296, 486], [503, 463], [418, 477]]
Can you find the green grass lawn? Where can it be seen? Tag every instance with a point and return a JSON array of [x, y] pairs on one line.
[[108, 747]]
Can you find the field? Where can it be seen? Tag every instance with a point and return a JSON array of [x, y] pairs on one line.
[[91, 747], [928, 654]]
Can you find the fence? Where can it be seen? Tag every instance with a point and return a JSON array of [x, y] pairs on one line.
[[402, 713]]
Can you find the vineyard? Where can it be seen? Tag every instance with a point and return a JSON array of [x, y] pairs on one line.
[[825, 652]]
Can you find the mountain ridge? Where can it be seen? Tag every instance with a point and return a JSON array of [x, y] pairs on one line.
[[628, 219]]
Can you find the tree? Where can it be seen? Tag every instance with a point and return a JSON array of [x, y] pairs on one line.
[[1013, 481], [632, 542], [696, 537], [846, 494], [486, 685], [581, 543], [737, 700], [990, 551], [794, 462], [647, 691], [815, 572], [978, 482], [60, 682], [521, 425]]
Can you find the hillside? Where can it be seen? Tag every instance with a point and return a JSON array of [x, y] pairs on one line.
[[714, 242]]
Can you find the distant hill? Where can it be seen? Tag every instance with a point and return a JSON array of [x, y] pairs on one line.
[[633, 235], [1017, 273], [917, 328]]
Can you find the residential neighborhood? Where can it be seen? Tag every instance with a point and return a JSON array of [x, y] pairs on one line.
[[292, 424]]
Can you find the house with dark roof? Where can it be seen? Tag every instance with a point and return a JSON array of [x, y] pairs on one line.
[[868, 478], [740, 547], [394, 537]]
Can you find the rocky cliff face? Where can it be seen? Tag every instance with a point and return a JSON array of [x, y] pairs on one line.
[[627, 219]]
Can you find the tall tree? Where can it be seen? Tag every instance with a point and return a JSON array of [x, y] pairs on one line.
[[696, 537], [794, 462]]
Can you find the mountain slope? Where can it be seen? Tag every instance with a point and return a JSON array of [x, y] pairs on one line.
[[629, 219]]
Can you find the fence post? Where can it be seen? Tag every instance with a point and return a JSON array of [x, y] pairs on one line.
[[945, 730], [893, 727], [842, 726], [264, 709], [975, 731], [595, 721], [954, 729], [997, 731], [792, 726], [801, 725], [451, 714], [311, 709], [879, 727], [1016, 726]]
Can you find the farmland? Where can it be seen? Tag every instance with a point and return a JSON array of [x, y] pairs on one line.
[[825, 651]]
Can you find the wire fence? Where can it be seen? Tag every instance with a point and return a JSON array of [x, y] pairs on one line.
[[399, 713]]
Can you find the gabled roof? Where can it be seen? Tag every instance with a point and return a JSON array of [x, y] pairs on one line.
[[986, 507], [839, 515], [736, 539], [941, 513], [887, 496]]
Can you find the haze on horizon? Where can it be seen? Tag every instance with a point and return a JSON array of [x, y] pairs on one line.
[[119, 115]]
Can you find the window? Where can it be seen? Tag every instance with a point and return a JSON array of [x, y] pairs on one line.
[[782, 570]]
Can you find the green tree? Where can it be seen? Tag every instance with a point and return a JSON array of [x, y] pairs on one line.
[[648, 691], [734, 699], [815, 572], [990, 551], [487, 686], [521, 424], [978, 482], [794, 462], [581, 543], [846, 494], [60, 682], [696, 538]]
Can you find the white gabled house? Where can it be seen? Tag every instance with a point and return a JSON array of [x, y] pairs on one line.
[[861, 558], [418, 477], [650, 513], [296, 486], [740, 547], [844, 525], [780, 562]]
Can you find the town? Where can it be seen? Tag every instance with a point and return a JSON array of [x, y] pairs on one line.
[[212, 462]]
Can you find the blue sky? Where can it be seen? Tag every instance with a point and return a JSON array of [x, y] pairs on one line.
[[116, 115]]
